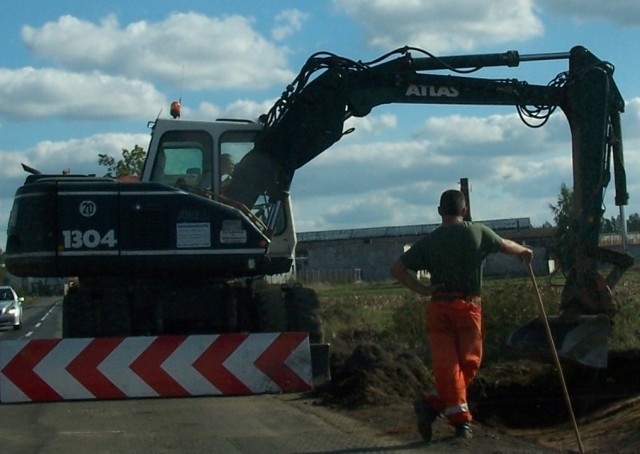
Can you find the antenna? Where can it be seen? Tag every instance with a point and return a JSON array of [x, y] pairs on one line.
[[181, 85], [176, 105]]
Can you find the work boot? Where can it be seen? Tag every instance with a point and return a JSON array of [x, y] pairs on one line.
[[425, 418], [463, 430]]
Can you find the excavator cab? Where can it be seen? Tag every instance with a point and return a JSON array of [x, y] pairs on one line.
[[206, 159]]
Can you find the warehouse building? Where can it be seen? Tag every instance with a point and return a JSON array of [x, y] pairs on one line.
[[366, 254]]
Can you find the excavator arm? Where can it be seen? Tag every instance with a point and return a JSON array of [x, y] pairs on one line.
[[309, 118]]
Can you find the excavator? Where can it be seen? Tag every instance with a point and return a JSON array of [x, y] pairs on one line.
[[205, 241]]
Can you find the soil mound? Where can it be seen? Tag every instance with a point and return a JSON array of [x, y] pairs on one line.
[[371, 375]]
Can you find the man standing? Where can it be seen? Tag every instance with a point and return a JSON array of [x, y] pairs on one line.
[[453, 254]]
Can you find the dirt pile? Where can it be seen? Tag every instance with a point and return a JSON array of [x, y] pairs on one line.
[[510, 394], [373, 376]]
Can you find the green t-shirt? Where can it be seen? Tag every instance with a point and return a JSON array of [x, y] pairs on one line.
[[453, 255]]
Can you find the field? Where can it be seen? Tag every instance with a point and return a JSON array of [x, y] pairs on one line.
[[380, 362]]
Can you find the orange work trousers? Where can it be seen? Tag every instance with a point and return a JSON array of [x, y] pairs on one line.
[[455, 339]]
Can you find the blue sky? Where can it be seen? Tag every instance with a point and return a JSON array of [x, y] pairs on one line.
[[80, 78]]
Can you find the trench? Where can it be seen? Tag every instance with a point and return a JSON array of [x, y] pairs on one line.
[[539, 401]]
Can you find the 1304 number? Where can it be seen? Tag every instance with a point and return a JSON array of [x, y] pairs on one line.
[[76, 239]]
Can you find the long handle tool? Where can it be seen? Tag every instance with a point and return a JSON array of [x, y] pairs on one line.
[[557, 360]]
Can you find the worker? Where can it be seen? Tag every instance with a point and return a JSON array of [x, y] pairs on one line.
[[227, 166], [453, 255]]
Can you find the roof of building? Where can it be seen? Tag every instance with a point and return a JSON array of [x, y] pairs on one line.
[[404, 230]]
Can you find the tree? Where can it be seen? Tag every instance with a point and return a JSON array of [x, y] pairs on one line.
[[633, 223], [562, 212], [611, 225], [130, 164], [567, 228], [3, 271]]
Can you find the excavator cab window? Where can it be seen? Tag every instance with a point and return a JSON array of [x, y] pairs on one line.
[[183, 159], [234, 145]]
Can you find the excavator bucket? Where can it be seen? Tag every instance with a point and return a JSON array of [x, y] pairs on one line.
[[584, 340]]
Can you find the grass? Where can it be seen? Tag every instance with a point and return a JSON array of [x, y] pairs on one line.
[[393, 317]]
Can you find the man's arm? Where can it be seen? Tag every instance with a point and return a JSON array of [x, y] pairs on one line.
[[408, 279], [512, 248]]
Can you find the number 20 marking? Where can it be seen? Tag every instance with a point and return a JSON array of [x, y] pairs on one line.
[[76, 239]]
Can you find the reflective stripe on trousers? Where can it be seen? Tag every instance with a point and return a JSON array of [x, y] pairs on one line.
[[456, 409]]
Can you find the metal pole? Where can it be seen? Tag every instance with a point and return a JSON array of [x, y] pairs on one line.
[[557, 360], [623, 229]]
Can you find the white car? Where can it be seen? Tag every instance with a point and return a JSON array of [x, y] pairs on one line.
[[10, 308]]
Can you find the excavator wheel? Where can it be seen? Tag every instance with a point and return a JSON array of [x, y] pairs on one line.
[[303, 313], [77, 315], [98, 313], [114, 314], [272, 311]]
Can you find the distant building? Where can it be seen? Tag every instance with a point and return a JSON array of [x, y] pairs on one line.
[[366, 254]]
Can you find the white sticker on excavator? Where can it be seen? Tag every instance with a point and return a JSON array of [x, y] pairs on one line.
[[190, 235], [232, 232]]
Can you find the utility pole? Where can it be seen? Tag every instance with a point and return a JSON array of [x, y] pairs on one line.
[[623, 230], [464, 187]]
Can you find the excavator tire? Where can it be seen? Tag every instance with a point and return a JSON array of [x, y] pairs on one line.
[[100, 313], [114, 314], [77, 315], [272, 310], [303, 313]]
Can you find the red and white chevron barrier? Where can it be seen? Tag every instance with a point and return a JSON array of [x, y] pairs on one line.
[[162, 366]]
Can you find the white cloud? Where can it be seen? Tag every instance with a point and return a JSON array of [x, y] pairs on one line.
[[10, 163], [244, 109], [288, 22], [385, 154], [442, 26], [493, 135], [367, 210], [80, 155], [187, 50], [527, 168], [374, 124], [30, 92], [631, 118], [622, 12]]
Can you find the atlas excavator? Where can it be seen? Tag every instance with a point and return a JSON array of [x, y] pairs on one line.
[[195, 247]]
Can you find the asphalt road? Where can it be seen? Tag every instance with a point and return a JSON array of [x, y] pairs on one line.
[[264, 423]]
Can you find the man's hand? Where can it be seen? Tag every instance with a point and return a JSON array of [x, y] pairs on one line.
[[512, 248], [526, 255], [409, 280]]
